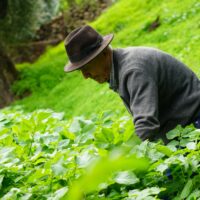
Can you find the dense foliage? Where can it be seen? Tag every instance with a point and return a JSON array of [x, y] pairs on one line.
[[51, 155], [43, 156], [23, 17]]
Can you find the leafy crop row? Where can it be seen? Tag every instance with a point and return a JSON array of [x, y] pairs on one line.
[[43, 156]]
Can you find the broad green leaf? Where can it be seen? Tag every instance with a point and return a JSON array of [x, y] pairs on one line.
[[126, 178], [6, 153], [84, 138], [84, 158], [63, 144], [162, 167], [184, 142], [37, 175], [68, 134], [173, 145], [194, 135], [107, 134], [58, 168], [12, 194], [27, 196], [147, 193], [173, 133], [16, 129], [187, 189], [4, 130], [191, 145], [75, 126], [129, 131], [59, 193], [164, 149], [41, 115], [6, 139]]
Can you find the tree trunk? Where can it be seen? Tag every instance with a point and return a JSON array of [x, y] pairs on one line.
[[8, 74]]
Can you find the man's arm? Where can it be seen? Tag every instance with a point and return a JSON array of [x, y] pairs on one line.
[[143, 92]]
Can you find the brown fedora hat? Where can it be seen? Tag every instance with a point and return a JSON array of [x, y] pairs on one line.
[[82, 45]]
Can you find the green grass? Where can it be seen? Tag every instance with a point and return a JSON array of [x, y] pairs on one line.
[[52, 88], [178, 34]]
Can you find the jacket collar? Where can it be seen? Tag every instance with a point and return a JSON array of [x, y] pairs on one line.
[[114, 79]]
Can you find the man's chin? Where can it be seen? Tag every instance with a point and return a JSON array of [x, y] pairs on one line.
[[101, 81]]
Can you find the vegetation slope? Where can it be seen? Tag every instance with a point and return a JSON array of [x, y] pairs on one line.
[[44, 156], [178, 33]]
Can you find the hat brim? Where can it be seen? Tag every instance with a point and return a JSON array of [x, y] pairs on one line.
[[75, 66]]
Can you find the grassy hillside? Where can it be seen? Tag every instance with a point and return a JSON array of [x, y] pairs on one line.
[[178, 34]]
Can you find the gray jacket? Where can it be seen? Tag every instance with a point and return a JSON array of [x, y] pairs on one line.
[[158, 90]]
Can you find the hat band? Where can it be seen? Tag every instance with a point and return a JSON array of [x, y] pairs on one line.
[[86, 51]]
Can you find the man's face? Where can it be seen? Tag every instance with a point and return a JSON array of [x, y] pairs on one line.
[[97, 69]]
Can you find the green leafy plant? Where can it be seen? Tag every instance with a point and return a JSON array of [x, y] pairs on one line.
[[44, 156]]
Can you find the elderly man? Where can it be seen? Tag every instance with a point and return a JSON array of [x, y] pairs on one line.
[[158, 90]]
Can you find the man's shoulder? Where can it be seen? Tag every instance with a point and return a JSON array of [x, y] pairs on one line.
[[135, 55], [138, 49], [138, 52], [143, 56]]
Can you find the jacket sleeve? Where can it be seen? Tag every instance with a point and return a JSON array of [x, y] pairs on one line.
[[143, 94]]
